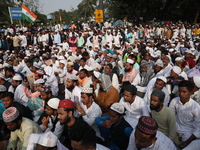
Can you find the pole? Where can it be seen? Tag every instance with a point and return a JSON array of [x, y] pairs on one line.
[[101, 4], [10, 16]]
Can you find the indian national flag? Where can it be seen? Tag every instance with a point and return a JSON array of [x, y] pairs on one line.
[[27, 14]]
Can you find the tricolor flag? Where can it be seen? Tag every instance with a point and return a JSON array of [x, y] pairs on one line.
[[27, 14]]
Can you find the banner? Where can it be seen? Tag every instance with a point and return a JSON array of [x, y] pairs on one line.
[[16, 13]]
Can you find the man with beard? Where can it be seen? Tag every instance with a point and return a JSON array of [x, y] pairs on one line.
[[129, 72], [70, 69], [66, 117], [108, 70], [163, 114], [157, 83], [72, 91], [21, 128], [143, 78], [147, 136], [107, 94]]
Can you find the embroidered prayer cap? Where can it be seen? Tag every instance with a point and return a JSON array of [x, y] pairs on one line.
[[177, 70], [48, 139], [164, 79], [53, 103], [66, 103], [70, 64], [188, 51], [178, 58], [62, 62], [158, 93], [130, 61], [36, 66], [39, 81], [39, 72], [10, 114], [131, 48], [97, 74], [159, 63], [87, 90], [2, 75], [72, 77], [3, 88], [17, 78], [117, 107], [147, 125], [196, 80], [45, 88], [146, 54]]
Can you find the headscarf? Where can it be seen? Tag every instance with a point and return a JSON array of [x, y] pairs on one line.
[[106, 82], [146, 76]]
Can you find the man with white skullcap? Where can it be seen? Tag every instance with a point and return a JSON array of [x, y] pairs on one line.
[[4, 82], [187, 117], [115, 126], [173, 80], [19, 93], [88, 109], [21, 128], [188, 58], [51, 123]]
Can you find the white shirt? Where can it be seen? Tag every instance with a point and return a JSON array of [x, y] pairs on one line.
[[101, 147], [187, 117], [135, 110], [92, 113], [24, 40], [20, 95], [162, 143], [75, 92], [53, 83]]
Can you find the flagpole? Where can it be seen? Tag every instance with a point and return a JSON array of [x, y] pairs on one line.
[[10, 16]]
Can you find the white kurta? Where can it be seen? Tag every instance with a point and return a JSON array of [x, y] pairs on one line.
[[162, 143], [20, 95], [135, 110], [75, 92], [187, 120]]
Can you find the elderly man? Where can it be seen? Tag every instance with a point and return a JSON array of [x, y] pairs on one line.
[[157, 83], [163, 115], [129, 72], [143, 78], [21, 128], [107, 94], [147, 136], [187, 117]]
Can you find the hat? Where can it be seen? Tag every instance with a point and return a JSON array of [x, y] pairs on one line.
[[188, 51], [39, 81], [36, 66], [109, 55], [89, 69], [45, 88], [164, 79], [146, 54], [17, 77], [178, 58], [158, 93], [159, 63], [3, 88], [61, 57], [196, 80], [147, 125], [135, 50], [177, 70], [10, 114], [72, 77], [70, 63], [53, 103], [130, 61], [1, 66], [130, 48], [62, 62], [117, 107], [96, 74], [66, 103], [87, 90], [171, 50], [39, 72], [48, 139], [2, 75]]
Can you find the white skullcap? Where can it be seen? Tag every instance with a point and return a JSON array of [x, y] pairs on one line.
[[89, 69], [164, 79], [188, 51], [3, 88], [97, 74], [2, 75], [177, 70], [171, 50], [130, 61], [181, 45], [135, 50], [61, 57], [117, 107], [173, 45], [72, 77], [159, 63], [36, 66], [39, 81], [1, 66], [109, 55], [17, 77], [53, 103], [62, 61], [69, 50], [196, 80], [48, 139], [178, 58], [87, 90]]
